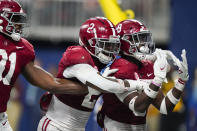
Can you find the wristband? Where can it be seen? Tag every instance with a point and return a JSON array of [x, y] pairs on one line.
[[156, 84], [131, 107], [157, 81], [151, 93], [172, 98]]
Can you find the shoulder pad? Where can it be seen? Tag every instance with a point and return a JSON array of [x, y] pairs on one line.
[[29, 49], [27, 44], [76, 55], [125, 68]]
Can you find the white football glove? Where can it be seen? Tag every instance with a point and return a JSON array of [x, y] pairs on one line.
[[139, 84], [160, 67], [182, 71], [182, 65], [107, 72], [135, 86]]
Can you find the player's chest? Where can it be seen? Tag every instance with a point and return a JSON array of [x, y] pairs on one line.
[[11, 62]]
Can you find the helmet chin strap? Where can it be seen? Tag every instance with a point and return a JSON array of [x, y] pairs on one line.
[[14, 36], [103, 58], [143, 55]]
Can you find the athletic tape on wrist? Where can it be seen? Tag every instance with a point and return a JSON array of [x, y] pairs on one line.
[[151, 93], [172, 98], [131, 107], [157, 81], [156, 84]]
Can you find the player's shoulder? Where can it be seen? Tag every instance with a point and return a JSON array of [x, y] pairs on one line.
[[76, 55], [27, 45], [27, 50], [76, 50]]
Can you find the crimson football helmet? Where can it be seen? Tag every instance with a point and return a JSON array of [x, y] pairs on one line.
[[136, 39], [12, 19], [99, 37]]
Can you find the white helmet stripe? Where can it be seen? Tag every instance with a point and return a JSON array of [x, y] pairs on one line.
[[95, 34]]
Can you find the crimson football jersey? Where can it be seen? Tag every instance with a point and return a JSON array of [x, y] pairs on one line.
[[112, 106], [13, 58], [75, 55]]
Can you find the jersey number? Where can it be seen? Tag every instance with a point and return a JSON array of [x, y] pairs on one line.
[[12, 59], [119, 28], [90, 99]]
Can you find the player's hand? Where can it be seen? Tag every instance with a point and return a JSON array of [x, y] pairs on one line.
[[107, 72], [141, 85], [182, 65], [138, 84], [161, 64], [182, 71], [183, 68], [160, 67]]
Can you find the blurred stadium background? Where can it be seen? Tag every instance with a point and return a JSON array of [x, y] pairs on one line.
[[54, 24]]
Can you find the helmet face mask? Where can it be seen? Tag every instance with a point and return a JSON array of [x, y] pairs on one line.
[[16, 22], [98, 36], [140, 43], [106, 49]]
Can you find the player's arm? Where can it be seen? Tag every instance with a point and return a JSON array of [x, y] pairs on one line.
[[167, 103], [139, 103], [41, 78], [92, 78]]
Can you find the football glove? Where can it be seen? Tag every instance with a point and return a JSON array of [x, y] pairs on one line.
[[107, 72], [182, 69], [160, 67], [182, 65]]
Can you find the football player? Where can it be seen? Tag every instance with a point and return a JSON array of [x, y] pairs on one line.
[[137, 47], [17, 57], [99, 45]]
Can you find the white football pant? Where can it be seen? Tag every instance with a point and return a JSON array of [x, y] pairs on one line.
[[46, 124]]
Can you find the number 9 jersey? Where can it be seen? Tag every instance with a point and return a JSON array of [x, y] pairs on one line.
[[14, 55]]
